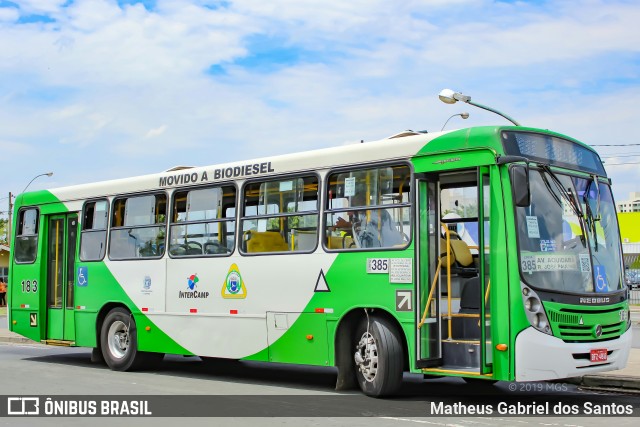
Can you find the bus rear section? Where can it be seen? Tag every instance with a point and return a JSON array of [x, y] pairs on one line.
[[43, 274]]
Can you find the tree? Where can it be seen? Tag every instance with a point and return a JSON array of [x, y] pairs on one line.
[[3, 231]]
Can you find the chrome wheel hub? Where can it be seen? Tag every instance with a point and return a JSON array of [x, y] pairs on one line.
[[366, 356], [118, 339]]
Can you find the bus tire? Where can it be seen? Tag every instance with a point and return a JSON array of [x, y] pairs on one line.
[[119, 341], [378, 357]]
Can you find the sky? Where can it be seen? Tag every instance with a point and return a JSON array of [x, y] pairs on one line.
[[100, 89]]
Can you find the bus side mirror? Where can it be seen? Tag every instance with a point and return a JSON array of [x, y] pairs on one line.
[[520, 183]]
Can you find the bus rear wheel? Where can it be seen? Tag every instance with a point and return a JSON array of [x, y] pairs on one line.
[[119, 342], [378, 357]]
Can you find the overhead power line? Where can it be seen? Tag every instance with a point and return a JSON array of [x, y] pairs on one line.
[[619, 155], [614, 145], [617, 164]]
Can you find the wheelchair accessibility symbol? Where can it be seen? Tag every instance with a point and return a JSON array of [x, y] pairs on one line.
[[600, 277], [82, 278]]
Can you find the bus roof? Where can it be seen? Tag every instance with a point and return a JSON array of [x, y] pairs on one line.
[[399, 146], [374, 151]]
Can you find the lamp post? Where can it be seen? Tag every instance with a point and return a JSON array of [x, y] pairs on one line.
[[36, 177], [10, 223], [464, 116], [450, 97], [9, 220]]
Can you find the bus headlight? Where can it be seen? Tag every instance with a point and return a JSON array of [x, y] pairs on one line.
[[532, 304], [541, 322], [534, 310], [625, 316]]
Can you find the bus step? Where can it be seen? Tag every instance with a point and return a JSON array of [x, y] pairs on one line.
[[462, 328], [447, 369], [461, 353], [454, 369], [59, 343]]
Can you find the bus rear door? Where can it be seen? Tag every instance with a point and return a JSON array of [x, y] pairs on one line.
[[61, 249]]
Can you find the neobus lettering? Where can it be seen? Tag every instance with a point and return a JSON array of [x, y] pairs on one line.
[[600, 300]]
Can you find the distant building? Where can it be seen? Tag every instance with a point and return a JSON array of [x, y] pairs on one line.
[[629, 230], [631, 205], [630, 237]]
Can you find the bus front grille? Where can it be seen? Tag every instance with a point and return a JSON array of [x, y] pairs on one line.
[[576, 332], [572, 326]]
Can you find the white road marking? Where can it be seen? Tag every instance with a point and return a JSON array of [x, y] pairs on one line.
[[421, 421]]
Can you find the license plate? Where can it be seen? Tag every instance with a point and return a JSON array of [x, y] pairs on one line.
[[599, 355]]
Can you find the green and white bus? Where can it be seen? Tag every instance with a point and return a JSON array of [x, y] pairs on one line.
[[488, 253]]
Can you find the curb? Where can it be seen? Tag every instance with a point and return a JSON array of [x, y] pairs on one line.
[[611, 382], [17, 340]]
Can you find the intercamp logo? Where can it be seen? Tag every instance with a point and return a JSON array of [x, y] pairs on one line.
[[23, 406]]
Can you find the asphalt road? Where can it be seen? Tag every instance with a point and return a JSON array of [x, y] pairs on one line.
[[635, 318], [287, 395]]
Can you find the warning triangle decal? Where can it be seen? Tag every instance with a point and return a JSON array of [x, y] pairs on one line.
[[321, 283], [233, 286]]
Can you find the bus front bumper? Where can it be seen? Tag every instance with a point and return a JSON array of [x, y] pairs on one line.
[[543, 357]]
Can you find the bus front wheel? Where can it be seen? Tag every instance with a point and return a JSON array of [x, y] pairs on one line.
[[378, 357], [118, 339]]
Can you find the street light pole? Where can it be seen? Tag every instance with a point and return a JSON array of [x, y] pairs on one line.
[[9, 223], [9, 230], [450, 97], [36, 177], [464, 116]]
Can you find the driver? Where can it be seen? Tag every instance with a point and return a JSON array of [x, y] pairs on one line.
[[372, 227]]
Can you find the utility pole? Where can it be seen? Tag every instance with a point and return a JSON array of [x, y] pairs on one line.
[[9, 223]]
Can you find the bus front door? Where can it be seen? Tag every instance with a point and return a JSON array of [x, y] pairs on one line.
[[61, 249], [428, 295], [454, 286]]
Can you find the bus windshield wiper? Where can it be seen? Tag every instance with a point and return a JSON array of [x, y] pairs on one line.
[[567, 195], [590, 218]]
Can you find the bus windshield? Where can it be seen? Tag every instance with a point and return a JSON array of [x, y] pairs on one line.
[[568, 237]]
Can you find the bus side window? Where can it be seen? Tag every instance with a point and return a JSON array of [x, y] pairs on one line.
[[203, 222], [280, 215], [368, 208], [93, 238], [26, 243], [138, 227]]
